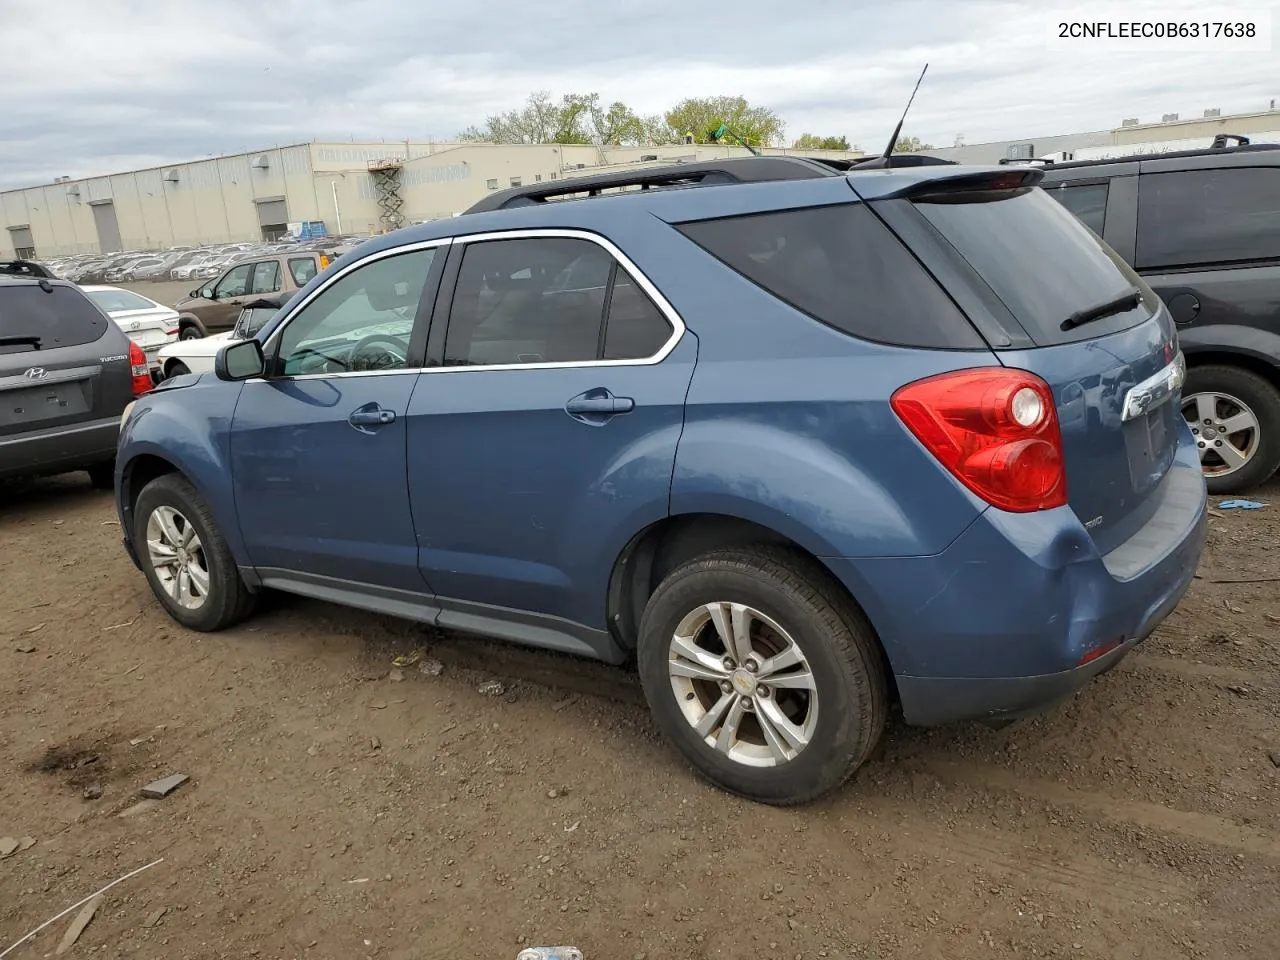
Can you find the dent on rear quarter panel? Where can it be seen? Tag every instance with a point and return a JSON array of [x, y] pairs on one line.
[[190, 428]]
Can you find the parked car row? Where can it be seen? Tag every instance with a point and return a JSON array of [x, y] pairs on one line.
[[179, 262]]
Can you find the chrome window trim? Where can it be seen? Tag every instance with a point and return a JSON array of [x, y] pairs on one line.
[[664, 306], [1155, 390]]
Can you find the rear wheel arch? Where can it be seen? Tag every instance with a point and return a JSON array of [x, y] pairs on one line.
[[673, 541], [1269, 370]]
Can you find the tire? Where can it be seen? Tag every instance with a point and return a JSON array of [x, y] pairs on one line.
[[103, 475], [1242, 391], [176, 369], [837, 644], [228, 600], [190, 332]]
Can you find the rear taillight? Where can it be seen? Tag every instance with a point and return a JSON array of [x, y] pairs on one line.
[[995, 429], [139, 370]]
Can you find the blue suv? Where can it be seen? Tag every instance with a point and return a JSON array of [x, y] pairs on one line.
[[802, 443]]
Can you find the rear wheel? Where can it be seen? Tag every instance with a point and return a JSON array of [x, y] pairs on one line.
[[762, 674], [176, 369], [185, 558], [1234, 415], [190, 333]]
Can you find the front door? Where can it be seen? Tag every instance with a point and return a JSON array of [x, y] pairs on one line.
[[545, 436], [318, 445], [229, 292]]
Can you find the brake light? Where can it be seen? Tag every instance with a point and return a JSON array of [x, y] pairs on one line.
[[140, 370], [995, 429]]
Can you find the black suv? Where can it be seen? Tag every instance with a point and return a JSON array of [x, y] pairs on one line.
[[67, 373], [1203, 228]]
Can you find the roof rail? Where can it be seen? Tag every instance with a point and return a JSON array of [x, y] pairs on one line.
[[1169, 155], [26, 268], [699, 173]]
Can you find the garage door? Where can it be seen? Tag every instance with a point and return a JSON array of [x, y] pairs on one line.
[[273, 217], [23, 246], [108, 227]]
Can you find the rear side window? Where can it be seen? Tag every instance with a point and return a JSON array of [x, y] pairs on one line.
[[1208, 216], [843, 267], [1039, 260], [31, 319], [1088, 201], [302, 270]]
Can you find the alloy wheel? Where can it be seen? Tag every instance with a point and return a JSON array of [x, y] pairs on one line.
[[1226, 431], [178, 557], [743, 683]]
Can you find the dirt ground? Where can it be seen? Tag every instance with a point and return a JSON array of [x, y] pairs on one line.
[[339, 807]]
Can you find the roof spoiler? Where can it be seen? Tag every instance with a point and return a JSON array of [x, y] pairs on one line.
[[26, 268], [971, 181]]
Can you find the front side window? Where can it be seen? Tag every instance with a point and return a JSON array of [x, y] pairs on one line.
[[235, 283], [548, 300], [252, 320], [1208, 216], [361, 322], [266, 277]]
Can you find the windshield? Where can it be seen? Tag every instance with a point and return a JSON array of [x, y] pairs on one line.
[[115, 300], [1039, 259]]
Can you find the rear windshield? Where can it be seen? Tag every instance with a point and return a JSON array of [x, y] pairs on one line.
[[1039, 259], [32, 319], [119, 300]]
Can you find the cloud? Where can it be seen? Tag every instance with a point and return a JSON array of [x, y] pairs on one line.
[[95, 87]]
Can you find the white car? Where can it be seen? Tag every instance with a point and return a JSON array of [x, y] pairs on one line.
[[149, 324], [196, 356]]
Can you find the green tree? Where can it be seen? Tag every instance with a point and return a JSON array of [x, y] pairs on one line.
[[574, 118], [911, 145], [703, 116], [809, 141]]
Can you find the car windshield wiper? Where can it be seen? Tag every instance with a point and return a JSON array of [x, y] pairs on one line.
[[17, 340], [1108, 308]]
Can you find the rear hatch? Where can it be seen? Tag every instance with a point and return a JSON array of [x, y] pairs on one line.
[[61, 360], [1083, 321]]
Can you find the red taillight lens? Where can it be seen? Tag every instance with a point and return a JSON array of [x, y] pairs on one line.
[[140, 370], [995, 429]]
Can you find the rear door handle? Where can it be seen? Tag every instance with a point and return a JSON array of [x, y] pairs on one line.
[[370, 415]]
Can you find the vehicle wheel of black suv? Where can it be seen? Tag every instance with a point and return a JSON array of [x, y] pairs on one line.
[[185, 558], [767, 679], [103, 475], [1235, 416]]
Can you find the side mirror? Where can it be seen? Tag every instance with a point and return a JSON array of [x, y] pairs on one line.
[[240, 360]]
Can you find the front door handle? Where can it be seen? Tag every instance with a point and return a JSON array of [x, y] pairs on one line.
[[370, 415], [597, 406]]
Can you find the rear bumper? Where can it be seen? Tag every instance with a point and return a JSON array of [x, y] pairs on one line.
[[1012, 617], [59, 449]]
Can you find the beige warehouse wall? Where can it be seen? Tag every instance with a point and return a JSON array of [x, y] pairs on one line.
[[1201, 128]]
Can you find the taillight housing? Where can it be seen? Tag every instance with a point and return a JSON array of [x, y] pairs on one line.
[[140, 370], [995, 429]]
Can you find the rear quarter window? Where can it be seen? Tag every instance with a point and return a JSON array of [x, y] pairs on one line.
[[32, 318], [1208, 216], [1088, 201], [843, 267]]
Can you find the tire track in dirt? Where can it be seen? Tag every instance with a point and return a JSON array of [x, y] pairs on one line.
[[1202, 827]]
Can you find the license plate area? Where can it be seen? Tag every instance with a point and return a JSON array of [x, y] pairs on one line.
[[1151, 441], [34, 405]]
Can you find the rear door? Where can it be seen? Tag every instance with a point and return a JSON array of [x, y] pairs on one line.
[[62, 361], [1062, 289]]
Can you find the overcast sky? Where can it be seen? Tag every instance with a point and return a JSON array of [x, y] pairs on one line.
[[101, 86]]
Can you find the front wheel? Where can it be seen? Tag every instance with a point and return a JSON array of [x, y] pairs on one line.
[[186, 560], [762, 674], [190, 333], [1234, 415]]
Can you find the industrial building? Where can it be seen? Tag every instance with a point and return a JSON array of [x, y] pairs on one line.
[[1132, 136], [347, 187]]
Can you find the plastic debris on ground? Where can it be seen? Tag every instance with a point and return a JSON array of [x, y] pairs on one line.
[[1240, 505], [549, 953]]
